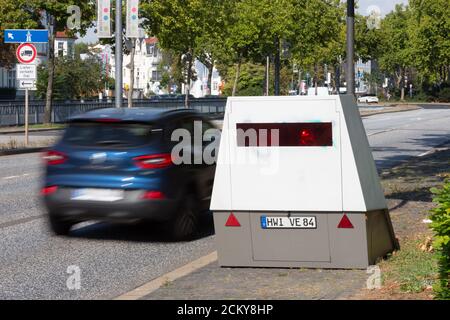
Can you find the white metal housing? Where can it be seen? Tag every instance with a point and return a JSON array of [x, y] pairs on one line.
[[340, 178]]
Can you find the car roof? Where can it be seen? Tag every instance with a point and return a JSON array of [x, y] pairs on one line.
[[134, 114]]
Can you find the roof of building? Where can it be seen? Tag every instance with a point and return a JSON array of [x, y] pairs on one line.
[[64, 35], [151, 40]]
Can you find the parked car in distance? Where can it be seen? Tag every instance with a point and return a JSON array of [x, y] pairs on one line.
[[116, 165], [368, 99]]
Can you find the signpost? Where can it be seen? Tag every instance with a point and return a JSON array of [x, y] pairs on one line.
[[26, 36], [26, 75], [26, 54]]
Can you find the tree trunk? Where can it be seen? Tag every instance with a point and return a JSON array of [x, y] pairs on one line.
[[236, 79], [210, 74], [315, 79], [277, 66], [131, 89], [188, 82], [402, 84], [51, 73]]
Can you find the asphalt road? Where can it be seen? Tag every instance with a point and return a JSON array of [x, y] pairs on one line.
[[116, 259]]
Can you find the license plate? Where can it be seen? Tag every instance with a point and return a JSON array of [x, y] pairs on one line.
[[105, 195], [288, 222]]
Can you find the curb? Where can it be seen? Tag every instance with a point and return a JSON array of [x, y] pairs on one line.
[[159, 282], [386, 112], [31, 130], [20, 151]]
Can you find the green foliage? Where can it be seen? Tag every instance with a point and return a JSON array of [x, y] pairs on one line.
[[413, 269], [15, 14], [396, 52], [251, 80], [444, 95], [74, 79], [429, 30], [441, 227]]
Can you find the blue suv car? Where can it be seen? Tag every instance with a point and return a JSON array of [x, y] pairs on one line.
[[116, 165]]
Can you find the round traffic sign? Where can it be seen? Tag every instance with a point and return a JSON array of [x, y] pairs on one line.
[[26, 53]]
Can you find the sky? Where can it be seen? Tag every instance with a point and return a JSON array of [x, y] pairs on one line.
[[385, 6]]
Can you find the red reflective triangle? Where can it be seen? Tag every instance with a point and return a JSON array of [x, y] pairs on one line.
[[232, 221], [345, 223]]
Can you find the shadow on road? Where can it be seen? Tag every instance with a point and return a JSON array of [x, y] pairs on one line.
[[139, 232], [411, 181], [400, 155]]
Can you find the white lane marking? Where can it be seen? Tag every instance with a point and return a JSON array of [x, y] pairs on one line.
[[157, 283], [11, 177], [380, 132], [15, 177], [426, 153]]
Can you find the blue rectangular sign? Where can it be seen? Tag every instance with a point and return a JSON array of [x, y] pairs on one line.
[[29, 36]]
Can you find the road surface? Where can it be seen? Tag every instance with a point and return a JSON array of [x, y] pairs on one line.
[[116, 259]]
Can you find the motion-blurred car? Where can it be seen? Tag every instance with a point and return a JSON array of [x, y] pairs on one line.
[[368, 99], [116, 165]]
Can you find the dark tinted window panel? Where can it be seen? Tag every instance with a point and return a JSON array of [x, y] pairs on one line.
[[109, 134], [289, 134]]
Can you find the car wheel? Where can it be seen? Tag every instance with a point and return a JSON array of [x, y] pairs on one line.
[[185, 226], [59, 227]]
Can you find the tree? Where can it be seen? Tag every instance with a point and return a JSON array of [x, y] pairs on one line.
[[397, 52], [428, 31], [55, 15], [75, 78], [177, 24], [171, 70], [15, 14], [319, 34]]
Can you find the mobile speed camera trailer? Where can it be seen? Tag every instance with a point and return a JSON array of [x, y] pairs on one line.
[[296, 186]]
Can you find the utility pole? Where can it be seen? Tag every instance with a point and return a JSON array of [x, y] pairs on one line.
[[350, 72], [119, 54]]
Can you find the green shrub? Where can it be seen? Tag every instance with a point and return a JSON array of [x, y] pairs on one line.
[[444, 95], [441, 227]]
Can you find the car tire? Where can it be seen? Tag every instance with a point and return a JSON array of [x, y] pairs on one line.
[[185, 225], [59, 227]]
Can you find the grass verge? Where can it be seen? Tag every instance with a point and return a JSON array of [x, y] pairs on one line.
[[413, 269]]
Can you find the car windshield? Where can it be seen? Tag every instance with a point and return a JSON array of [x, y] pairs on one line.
[[110, 134]]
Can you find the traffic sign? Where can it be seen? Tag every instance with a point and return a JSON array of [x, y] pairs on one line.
[[26, 72], [26, 53], [22, 36], [27, 84]]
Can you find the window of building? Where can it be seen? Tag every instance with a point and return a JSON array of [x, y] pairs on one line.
[[60, 49], [150, 49], [156, 76]]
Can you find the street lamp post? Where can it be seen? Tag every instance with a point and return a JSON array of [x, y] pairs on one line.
[[350, 74], [119, 55]]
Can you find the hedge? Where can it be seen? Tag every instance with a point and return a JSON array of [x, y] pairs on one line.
[[440, 217]]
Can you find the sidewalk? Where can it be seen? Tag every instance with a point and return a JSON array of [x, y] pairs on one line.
[[407, 191]]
